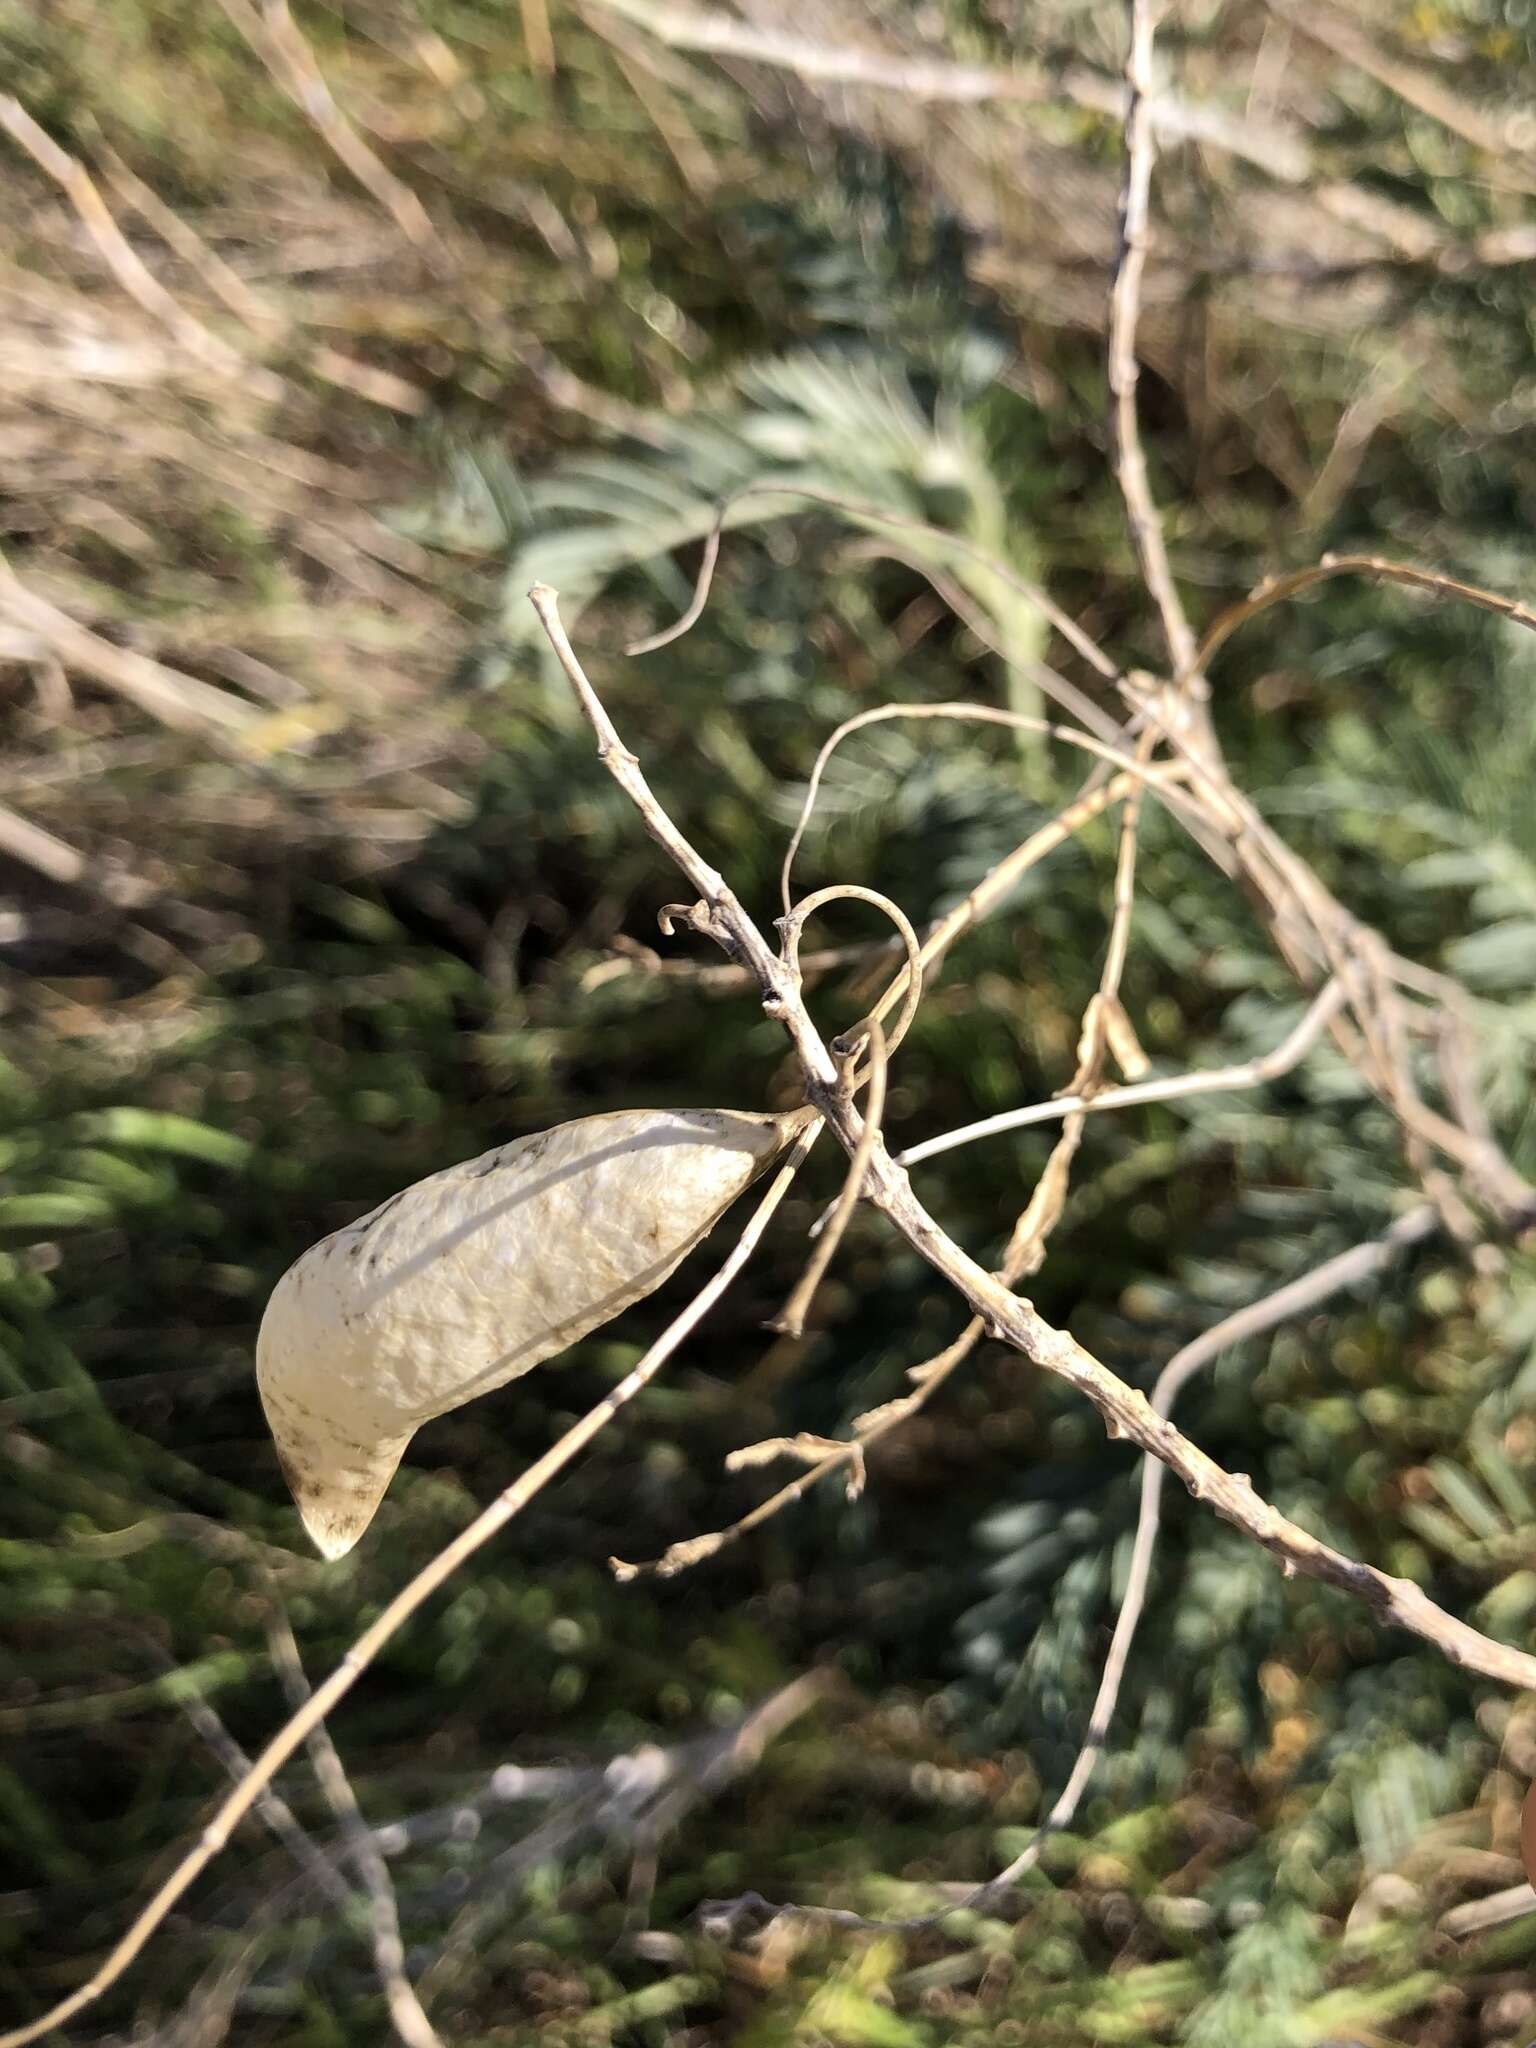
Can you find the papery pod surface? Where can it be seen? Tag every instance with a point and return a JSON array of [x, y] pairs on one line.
[[472, 1276]]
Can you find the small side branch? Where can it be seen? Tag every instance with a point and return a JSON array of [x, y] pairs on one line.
[[1298, 1297], [1278, 589], [1269, 1066]]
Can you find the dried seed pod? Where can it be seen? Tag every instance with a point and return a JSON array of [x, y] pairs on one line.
[[467, 1279]]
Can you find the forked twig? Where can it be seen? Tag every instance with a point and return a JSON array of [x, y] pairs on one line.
[[1025, 1248], [1008, 1316], [1349, 1269]]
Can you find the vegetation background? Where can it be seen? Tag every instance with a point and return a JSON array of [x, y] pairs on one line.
[[321, 335]]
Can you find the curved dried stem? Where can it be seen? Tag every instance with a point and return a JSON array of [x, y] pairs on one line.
[[399, 1610], [793, 923], [980, 714], [701, 589], [1278, 589], [900, 522]]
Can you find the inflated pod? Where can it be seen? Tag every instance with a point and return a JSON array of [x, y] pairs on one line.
[[460, 1283]]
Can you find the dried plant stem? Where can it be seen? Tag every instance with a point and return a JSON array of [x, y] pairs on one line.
[[340, 1681], [537, 40], [1124, 308], [1139, 769], [1308, 924], [225, 283], [121, 259], [792, 926], [996, 883], [1269, 1066], [408, 2018], [271, 1809], [272, 327], [1279, 151], [165, 693], [900, 522], [790, 1321], [1277, 589], [1009, 1317], [1296, 1298]]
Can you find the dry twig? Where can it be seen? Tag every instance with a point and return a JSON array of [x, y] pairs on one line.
[[409, 2020], [1279, 151], [1268, 1066], [81, 191]]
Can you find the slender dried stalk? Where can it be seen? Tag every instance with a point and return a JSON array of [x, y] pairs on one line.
[[165, 693], [1139, 770], [1296, 1298], [1277, 589], [271, 1809], [121, 259], [900, 522], [1277, 150], [1268, 1066], [274, 36], [790, 1321], [1124, 308], [272, 327], [408, 2018]]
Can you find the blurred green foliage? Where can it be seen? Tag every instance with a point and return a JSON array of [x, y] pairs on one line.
[[313, 1012]]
